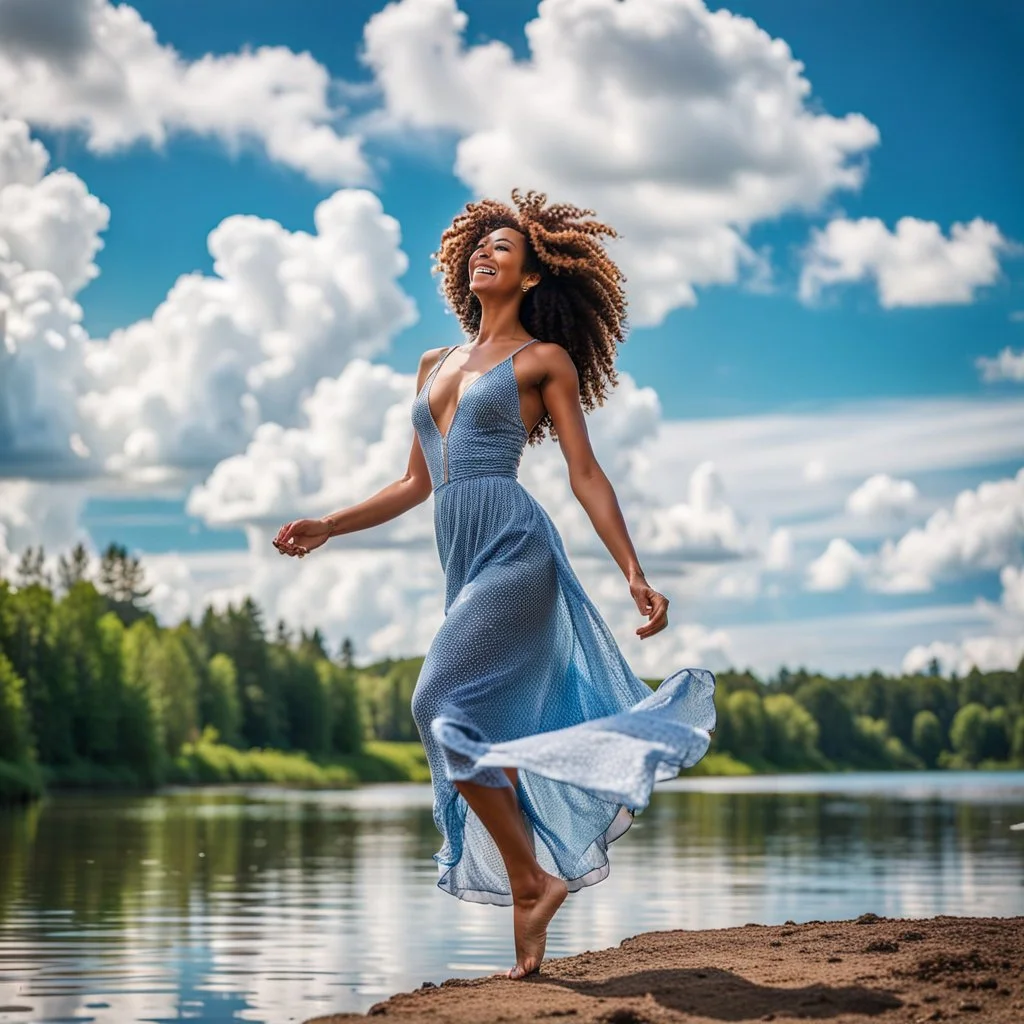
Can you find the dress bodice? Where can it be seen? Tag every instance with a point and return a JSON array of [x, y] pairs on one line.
[[486, 435]]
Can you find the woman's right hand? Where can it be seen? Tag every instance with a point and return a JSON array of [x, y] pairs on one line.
[[301, 536]]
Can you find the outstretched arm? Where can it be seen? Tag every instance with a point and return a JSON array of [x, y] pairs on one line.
[[560, 390], [413, 487]]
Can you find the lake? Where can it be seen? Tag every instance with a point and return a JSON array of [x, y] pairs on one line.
[[274, 905]]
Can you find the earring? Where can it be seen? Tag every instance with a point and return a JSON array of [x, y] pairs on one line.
[[526, 287]]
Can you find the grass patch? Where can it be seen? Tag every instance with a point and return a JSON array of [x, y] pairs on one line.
[[382, 761], [719, 764], [207, 762], [204, 762]]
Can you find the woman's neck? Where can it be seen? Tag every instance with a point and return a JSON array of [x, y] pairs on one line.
[[499, 321]]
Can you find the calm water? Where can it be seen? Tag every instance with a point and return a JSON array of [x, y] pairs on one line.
[[274, 905]]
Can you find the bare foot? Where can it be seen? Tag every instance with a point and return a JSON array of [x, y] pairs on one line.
[[531, 916]]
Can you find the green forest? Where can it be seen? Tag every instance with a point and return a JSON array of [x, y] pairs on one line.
[[95, 693]]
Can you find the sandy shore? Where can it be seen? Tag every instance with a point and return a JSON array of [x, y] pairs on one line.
[[871, 969]]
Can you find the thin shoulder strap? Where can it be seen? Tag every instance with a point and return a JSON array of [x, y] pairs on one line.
[[444, 356], [524, 344]]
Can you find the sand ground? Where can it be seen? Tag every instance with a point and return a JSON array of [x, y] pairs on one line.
[[970, 969]]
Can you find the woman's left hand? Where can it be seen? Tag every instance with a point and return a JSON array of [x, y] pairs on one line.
[[652, 604]]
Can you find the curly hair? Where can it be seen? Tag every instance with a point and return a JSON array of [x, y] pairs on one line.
[[578, 304]]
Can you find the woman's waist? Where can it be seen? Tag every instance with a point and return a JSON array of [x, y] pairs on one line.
[[499, 476]]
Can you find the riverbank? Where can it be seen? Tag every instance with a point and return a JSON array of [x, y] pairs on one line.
[[850, 972], [216, 764]]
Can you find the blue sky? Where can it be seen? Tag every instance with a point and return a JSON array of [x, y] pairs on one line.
[[951, 150], [938, 82]]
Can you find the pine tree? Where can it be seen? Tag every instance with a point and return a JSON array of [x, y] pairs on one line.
[[73, 568], [121, 581], [346, 655], [31, 568]]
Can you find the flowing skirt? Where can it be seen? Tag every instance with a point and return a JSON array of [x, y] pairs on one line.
[[524, 673]]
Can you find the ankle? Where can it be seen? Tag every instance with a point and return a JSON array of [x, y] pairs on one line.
[[530, 885]]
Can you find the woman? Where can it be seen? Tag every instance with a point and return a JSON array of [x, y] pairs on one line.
[[541, 740]]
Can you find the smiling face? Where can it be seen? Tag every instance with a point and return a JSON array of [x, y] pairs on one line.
[[496, 265]]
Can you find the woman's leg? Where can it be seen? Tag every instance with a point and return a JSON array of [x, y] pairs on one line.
[[536, 895]]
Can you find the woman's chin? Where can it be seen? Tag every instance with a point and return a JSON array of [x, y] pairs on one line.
[[484, 287]]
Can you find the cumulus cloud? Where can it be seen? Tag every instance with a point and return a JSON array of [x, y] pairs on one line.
[[50, 228], [1008, 365], [988, 653], [354, 440], [881, 495], [1012, 579], [915, 265], [225, 353], [34, 514], [763, 456], [222, 353], [983, 530], [99, 67], [687, 126], [837, 567]]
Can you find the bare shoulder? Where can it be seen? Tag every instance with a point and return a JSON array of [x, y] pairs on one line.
[[428, 360], [431, 356], [552, 361]]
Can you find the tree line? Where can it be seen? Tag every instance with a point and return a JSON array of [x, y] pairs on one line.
[[89, 678]]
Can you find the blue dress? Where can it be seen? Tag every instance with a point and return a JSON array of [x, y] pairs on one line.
[[524, 672]]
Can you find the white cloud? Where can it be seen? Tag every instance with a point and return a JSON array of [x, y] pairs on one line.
[[987, 653], [741, 585], [48, 221], [220, 355], [97, 67], [992, 652], [881, 495], [837, 567], [704, 527], [763, 456], [223, 354], [687, 126], [33, 514], [354, 440], [389, 602], [983, 530], [49, 235], [1012, 579], [779, 555], [915, 265], [1008, 365]]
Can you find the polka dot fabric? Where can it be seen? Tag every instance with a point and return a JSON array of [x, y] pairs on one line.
[[524, 672]]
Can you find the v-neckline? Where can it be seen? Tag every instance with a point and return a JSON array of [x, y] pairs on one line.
[[433, 376]]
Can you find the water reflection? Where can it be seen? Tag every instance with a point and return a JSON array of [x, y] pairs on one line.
[[271, 905]]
